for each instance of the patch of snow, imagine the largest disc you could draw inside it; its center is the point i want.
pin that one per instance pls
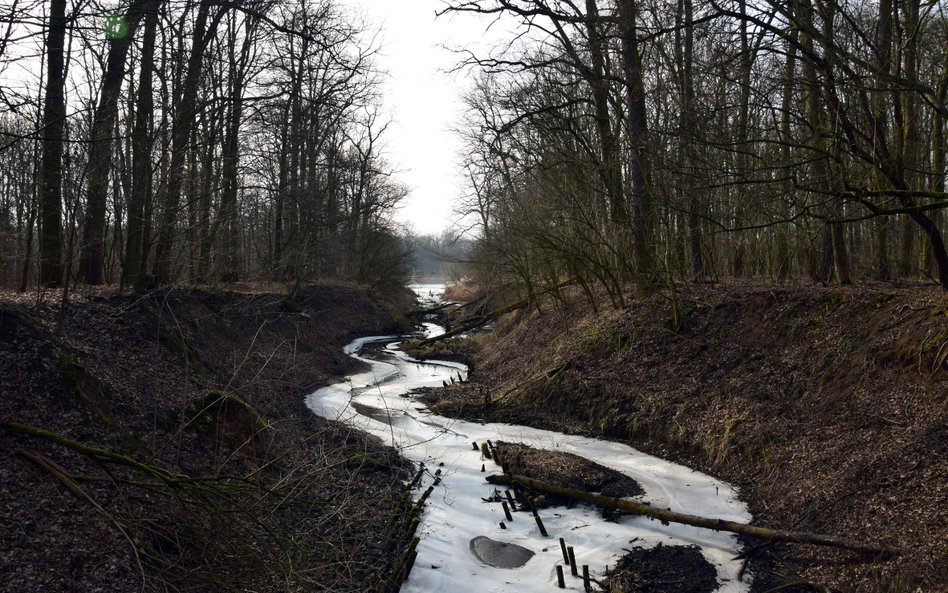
(429, 295)
(431, 330)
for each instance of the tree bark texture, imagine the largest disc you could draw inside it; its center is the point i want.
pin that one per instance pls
(101, 138)
(185, 114)
(637, 124)
(51, 174)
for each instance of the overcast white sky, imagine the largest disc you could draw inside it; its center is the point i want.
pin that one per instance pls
(424, 100)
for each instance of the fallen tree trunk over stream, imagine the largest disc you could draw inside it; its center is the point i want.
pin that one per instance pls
(476, 322)
(443, 306)
(667, 516)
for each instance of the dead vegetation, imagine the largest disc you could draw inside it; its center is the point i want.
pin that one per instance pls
(465, 291)
(161, 444)
(662, 569)
(827, 407)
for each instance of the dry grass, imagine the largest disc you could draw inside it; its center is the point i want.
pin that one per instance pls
(828, 407)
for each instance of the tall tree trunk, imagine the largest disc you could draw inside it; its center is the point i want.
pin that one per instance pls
(122, 181)
(205, 197)
(611, 165)
(741, 144)
(194, 230)
(28, 242)
(823, 143)
(280, 197)
(688, 122)
(141, 155)
(638, 136)
(939, 146)
(834, 176)
(883, 265)
(841, 266)
(880, 124)
(228, 212)
(293, 184)
(185, 114)
(786, 153)
(100, 150)
(54, 121)
(910, 149)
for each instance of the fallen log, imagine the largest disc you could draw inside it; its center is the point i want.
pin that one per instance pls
(472, 323)
(458, 306)
(434, 309)
(477, 321)
(667, 516)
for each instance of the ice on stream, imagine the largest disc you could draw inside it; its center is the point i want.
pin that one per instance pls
(376, 401)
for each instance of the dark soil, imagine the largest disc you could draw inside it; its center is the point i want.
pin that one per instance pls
(826, 407)
(663, 569)
(458, 349)
(208, 386)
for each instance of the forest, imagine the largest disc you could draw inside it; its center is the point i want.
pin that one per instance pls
(697, 273)
(696, 140)
(184, 141)
(163, 142)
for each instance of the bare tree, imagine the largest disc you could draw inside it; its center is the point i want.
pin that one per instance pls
(103, 129)
(54, 121)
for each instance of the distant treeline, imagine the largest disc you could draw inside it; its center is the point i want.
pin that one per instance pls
(441, 256)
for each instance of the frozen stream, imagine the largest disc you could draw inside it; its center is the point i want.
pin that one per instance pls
(375, 401)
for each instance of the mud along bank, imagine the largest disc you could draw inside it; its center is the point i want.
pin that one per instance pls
(163, 438)
(828, 408)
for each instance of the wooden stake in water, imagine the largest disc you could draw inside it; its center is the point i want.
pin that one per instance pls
(414, 482)
(559, 577)
(563, 548)
(493, 452)
(540, 525)
(533, 505)
(572, 561)
(506, 510)
(510, 499)
(411, 562)
(586, 586)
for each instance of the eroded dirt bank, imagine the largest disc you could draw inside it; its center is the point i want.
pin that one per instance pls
(175, 444)
(828, 408)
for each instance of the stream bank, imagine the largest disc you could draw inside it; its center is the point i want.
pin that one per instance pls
(203, 388)
(828, 408)
(466, 544)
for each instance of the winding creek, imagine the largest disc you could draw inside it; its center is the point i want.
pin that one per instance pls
(457, 517)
